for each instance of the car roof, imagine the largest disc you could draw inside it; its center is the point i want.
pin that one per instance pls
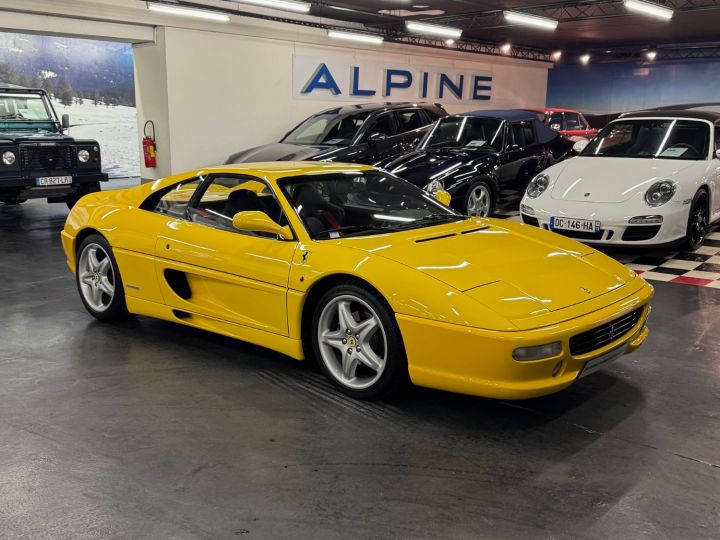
(374, 107)
(554, 109)
(697, 114)
(502, 114)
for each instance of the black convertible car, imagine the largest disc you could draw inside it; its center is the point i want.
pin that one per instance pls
(473, 155)
(364, 134)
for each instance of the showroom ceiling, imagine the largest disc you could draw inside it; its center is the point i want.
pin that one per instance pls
(589, 24)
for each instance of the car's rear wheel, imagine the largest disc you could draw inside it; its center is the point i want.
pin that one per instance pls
(479, 200)
(698, 221)
(98, 280)
(358, 344)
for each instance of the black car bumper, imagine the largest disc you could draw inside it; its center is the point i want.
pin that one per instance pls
(26, 186)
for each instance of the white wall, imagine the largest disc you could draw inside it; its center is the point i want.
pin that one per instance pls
(227, 92)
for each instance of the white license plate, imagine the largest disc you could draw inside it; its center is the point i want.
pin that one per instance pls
(574, 224)
(53, 180)
(593, 365)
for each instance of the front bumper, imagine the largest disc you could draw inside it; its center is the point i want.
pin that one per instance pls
(24, 186)
(615, 228)
(479, 362)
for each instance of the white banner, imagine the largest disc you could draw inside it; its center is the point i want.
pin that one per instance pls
(328, 78)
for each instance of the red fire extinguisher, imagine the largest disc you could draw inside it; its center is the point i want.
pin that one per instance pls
(149, 146)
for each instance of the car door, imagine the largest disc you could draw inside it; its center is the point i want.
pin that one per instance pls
(412, 124)
(205, 266)
(378, 138)
(511, 157)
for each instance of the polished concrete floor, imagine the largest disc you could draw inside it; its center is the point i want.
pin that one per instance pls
(151, 430)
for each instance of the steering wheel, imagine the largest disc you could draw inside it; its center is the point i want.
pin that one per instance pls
(694, 154)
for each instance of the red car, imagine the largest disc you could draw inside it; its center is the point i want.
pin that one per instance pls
(569, 123)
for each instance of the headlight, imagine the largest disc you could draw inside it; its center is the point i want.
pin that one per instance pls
(525, 354)
(660, 193)
(434, 186)
(84, 156)
(8, 158)
(538, 185)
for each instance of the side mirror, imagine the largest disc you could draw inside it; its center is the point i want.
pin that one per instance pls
(255, 221)
(580, 145)
(65, 121)
(513, 148)
(376, 137)
(443, 197)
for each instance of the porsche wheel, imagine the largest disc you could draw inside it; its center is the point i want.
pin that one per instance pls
(358, 344)
(698, 220)
(478, 200)
(98, 280)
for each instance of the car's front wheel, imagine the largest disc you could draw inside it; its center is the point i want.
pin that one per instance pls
(98, 280)
(698, 221)
(358, 344)
(479, 200)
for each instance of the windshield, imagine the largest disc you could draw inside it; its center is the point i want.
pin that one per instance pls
(327, 129)
(21, 111)
(335, 205)
(645, 138)
(466, 133)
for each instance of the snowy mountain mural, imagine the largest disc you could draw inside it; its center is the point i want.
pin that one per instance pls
(90, 80)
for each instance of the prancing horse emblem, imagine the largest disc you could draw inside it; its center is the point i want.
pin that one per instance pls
(586, 291)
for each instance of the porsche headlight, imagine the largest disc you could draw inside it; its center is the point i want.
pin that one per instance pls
(435, 186)
(8, 158)
(660, 193)
(83, 156)
(538, 185)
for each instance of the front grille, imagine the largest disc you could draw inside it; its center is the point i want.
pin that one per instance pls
(644, 232)
(580, 235)
(530, 220)
(46, 158)
(604, 335)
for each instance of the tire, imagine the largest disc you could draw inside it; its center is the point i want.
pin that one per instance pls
(362, 359)
(11, 201)
(698, 219)
(472, 205)
(98, 280)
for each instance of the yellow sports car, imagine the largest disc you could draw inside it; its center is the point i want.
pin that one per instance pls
(368, 274)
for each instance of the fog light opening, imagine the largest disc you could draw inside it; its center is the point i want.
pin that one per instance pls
(556, 370)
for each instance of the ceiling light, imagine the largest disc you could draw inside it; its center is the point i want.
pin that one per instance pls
(350, 36)
(505, 48)
(516, 17)
(285, 5)
(189, 12)
(557, 55)
(585, 59)
(449, 42)
(651, 55)
(433, 29)
(649, 8)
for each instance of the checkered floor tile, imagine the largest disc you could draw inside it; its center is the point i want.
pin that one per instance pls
(700, 268)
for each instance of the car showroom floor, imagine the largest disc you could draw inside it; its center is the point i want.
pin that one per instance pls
(152, 430)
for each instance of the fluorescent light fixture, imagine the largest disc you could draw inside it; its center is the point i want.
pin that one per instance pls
(505, 48)
(557, 55)
(515, 17)
(433, 29)
(649, 8)
(351, 36)
(449, 42)
(585, 59)
(651, 55)
(285, 5)
(189, 12)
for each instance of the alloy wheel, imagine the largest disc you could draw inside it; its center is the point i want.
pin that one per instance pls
(352, 342)
(96, 277)
(699, 224)
(478, 201)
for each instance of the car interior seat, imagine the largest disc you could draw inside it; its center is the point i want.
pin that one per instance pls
(319, 214)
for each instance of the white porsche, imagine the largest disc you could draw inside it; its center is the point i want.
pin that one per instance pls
(649, 178)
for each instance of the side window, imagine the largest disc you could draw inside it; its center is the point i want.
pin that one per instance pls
(528, 133)
(383, 124)
(573, 121)
(226, 195)
(517, 134)
(432, 115)
(556, 121)
(411, 119)
(717, 137)
(174, 201)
